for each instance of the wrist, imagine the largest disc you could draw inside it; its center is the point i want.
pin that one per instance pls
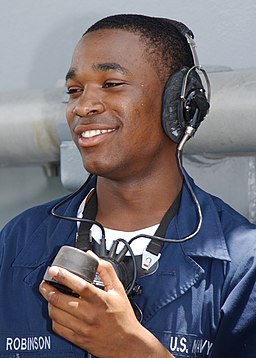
(142, 343)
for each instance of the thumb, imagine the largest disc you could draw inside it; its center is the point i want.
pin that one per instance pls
(108, 275)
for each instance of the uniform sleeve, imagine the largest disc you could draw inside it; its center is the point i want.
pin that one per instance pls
(1, 248)
(236, 335)
(3, 234)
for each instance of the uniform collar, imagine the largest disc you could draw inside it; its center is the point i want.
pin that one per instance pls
(51, 233)
(210, 241)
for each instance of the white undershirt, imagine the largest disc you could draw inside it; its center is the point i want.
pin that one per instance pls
(137, 245)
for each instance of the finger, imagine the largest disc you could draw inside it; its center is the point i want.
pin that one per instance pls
(72, 335)
(69, 311)
(109, 276)
(73, 282)
(57, 298)
(80, 323)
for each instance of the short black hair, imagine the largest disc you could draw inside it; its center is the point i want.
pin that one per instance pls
(169, 49)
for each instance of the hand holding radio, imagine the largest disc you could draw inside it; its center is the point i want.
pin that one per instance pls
(91, 319)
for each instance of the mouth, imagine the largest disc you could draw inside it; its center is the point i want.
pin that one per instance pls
(93, 136)
(95, 132)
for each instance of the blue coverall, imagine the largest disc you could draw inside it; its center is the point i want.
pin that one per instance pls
(201, 301)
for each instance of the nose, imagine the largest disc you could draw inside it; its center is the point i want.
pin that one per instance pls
(88, 104)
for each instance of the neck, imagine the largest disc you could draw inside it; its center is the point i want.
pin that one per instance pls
(139, 202)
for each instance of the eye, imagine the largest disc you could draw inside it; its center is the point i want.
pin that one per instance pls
(74, 91)
(112, 84)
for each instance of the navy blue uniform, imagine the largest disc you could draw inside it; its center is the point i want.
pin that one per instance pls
(201, 302)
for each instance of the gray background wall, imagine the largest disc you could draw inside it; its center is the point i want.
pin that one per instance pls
(37, 39)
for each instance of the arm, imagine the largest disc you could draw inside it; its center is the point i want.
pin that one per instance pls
(100, 322)
(236, 335)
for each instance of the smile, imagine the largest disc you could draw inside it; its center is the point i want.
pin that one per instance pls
(95, 132)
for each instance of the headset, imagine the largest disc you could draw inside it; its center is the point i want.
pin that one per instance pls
(185, 102)
(185, 105)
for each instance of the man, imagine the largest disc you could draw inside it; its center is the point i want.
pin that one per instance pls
(199, 299)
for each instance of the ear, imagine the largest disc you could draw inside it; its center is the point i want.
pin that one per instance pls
(178, 112)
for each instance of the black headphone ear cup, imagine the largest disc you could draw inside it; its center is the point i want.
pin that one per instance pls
(175, 117)
(171, 122)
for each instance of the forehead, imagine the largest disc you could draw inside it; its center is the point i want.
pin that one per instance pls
(124, 49)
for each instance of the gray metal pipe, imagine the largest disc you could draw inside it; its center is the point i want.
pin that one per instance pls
(29, 121)
(230, 127)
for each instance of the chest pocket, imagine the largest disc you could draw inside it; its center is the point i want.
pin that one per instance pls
(43, 345)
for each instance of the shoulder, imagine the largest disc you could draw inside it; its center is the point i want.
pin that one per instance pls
(27, 222)
(227, 228)
(239, 236)
(39, 221)
(231, 220)
(32, 215)
(235, 226)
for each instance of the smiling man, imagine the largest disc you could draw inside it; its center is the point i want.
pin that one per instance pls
(182, 284)
(121, 96)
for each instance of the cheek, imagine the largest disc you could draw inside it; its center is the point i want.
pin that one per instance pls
(68, 111)
(71, 121)
(69, 115)
(150, 113)
(153, 99)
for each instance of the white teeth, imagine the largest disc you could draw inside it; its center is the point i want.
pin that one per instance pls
(94, 132)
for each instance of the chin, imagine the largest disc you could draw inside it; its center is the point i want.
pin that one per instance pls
(96, 168)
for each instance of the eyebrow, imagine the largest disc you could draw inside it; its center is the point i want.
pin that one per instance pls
(100, 67)
(110, 66)
(70, 74)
